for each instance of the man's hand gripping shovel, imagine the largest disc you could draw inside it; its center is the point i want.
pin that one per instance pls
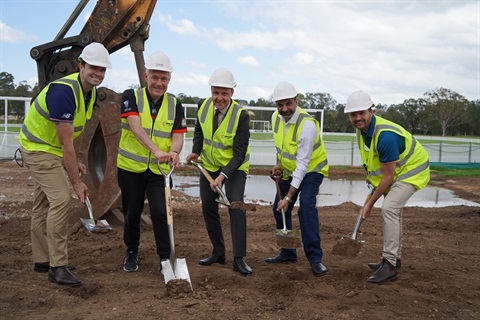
(285, 238)
(174, 270)
(222, 197)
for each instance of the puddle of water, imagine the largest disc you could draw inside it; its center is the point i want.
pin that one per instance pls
(262, 190)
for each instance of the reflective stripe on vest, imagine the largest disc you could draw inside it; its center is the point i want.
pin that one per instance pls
(217, 148)
(287, 152)
(38, 132)
(132, 155)
(413, 165)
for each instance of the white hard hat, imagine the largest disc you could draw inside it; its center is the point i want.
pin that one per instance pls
(95, 54)
(358, 101)
(222, 78)
(284, 90)
(159, 61)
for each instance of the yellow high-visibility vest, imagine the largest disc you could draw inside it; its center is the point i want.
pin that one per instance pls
(132, 155)
(413, 165)
(217, 148)
(38, 131)
(286, 144)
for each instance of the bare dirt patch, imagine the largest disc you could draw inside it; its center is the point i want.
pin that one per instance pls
(439, 278)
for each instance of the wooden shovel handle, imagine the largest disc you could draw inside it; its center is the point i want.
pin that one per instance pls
(204, 171)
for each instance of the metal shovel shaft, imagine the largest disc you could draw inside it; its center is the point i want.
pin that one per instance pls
(90, 209)
(172, 268)
(359, 221)
(357, 227)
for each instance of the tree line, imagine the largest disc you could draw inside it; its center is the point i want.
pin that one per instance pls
(441, 111)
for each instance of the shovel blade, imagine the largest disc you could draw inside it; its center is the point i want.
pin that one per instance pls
(288, 239)
(177, 271)
(97, 226)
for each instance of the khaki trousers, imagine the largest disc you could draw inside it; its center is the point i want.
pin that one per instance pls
(50, 213)
(392, 213)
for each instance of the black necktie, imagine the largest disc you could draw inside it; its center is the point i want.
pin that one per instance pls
(215, 120)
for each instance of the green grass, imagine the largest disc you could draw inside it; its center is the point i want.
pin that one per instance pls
(455, 171)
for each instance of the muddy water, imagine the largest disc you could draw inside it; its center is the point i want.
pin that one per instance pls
(261, 190)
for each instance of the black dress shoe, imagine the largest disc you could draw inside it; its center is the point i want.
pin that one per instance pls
(385, 273)
(211, 260)
(377, 265)
(45, 267)
(63, 277)
(241, 266)
(280, 258)
(318, 269)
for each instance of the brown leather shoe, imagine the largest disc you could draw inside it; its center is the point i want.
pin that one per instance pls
(377, 265)
(385, 273)
(63, 277)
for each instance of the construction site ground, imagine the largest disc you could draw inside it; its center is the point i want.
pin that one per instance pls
(439, 277)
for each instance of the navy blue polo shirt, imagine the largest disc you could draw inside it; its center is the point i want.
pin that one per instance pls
(390, 145)
(61, 102)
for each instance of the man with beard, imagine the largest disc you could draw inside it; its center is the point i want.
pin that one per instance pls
(302, 163)
(58, 116)
(397, 166)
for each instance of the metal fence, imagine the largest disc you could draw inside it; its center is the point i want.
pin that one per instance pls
(262, 152)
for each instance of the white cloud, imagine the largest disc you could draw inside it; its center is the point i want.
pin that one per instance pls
(182, 27)
(196, 64)
(303, 58)
(248, 61)
(11, 35)
(190, 79)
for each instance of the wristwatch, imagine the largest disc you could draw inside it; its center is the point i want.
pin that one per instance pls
(288, 199)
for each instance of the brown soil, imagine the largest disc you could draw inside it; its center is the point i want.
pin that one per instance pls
(439, 278)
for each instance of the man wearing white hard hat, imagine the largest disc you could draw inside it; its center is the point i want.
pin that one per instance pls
(56, 117)
(302, 164)
(153, 126)
(397, 166)
(220, 141)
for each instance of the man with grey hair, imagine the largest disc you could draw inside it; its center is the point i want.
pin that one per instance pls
(153, 125)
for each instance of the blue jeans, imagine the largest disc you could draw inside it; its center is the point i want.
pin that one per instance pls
(307, 214)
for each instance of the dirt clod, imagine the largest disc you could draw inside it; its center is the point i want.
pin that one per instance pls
(290, 240)
(347, 247)
(177, 288)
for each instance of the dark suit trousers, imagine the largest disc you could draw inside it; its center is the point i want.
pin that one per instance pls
(234, 190)
(134, 186)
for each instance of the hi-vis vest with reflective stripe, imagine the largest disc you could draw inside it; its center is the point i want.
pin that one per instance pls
(132, 155)
(217, 148)
(38, 131)
(286, 144)
(413, 166)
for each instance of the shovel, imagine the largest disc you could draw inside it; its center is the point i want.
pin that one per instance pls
(174, 270)
(223, 198)
(350, 247)
(91, 224)
(288, 239)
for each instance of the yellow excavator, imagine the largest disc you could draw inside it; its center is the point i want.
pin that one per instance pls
(115, 24)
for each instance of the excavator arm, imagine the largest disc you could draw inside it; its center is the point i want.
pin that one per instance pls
(114, 23)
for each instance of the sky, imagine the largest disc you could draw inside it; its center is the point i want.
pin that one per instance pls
(393, 50)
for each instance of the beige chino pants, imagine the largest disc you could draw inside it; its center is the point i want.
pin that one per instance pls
(392, 213)
(50, 213)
